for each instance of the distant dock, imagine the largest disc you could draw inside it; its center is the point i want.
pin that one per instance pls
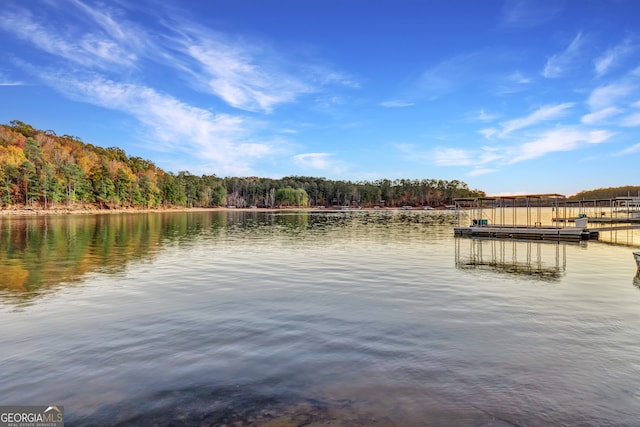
(495, 217)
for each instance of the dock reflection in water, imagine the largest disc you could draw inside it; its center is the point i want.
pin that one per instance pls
(542, 260)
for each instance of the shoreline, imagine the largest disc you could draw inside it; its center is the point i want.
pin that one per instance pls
(93, 210)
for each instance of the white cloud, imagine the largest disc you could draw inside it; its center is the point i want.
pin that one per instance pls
(632, 120)
(445, 156)
(483, 116)
(396, 104)
(560, 63)
(324, 75)
(449, 75)
(635, 148)
(223, 140)
(562, 139)
(116, 28)
(95, 49)
(600, 115)
(246, 74)
(490, 154)
(528, 13)
(612, 56)
(513, 83)
(481, 171)
(489, 133)
(106, 51)
(547, 112)
(519, 78)
(321, 161)
(606, 96)
(6, 81)
(241, 79)
(448, 156)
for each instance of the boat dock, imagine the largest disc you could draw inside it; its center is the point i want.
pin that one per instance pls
(521, 217)
(619, 210)
(534, 233)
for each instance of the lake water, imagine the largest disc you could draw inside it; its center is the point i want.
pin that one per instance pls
(303, 318)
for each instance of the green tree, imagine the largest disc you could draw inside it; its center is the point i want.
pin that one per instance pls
(103, 189)
(52, 188)
(173, 191)
(288, 196)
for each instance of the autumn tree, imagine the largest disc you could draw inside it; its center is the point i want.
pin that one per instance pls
(39, 167)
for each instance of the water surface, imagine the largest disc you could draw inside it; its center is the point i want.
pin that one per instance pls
(302, 318)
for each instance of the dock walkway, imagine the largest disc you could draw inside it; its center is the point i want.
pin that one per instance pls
(529, 233)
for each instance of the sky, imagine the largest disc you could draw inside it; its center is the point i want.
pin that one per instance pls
(508, 96)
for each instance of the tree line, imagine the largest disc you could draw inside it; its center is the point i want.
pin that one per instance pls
(40, 168)
(608, 193)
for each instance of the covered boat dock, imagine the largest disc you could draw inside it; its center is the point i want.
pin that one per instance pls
(526, 217)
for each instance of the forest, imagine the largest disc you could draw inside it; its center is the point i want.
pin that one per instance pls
(608, 193)
(39, 168)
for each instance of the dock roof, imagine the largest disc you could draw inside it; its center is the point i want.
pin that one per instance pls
(517, 196)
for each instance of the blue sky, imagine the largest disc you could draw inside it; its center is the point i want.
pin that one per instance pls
(509, 96)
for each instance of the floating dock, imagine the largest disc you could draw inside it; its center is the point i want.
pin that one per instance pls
(495, 217)
(534, 233)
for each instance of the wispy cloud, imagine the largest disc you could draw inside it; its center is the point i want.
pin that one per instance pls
(327, 75)
(529, 13)
(289, 131)
(600, 115)
(6, 81)
(235, 74)
(561, 139)
(483, 116)
(609, 95)
(95, 49)
(513, 83)
(114, 61)
(449, 75)
(635, 148)
(481, 171)
(613, 56)
(396, 104)
(544, 113)
(519, 78)
(632, 120)
(446, 156)
(319, 161)
(560, 63)
(103, 18)
(246, 74)
(224, 142)
(489, 133)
